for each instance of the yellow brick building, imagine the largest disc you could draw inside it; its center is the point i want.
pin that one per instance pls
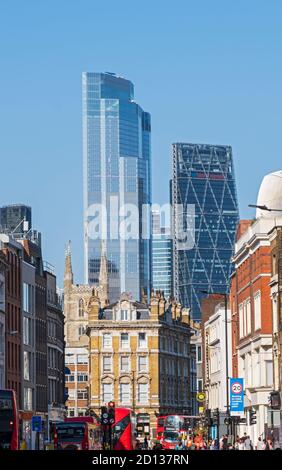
(139, 357)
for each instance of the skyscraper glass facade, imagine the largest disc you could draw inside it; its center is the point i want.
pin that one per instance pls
(203, 175)
(161, 256)
(117, 173)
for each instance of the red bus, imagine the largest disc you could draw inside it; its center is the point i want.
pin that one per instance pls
(160, 427)
(175, 426)
(77, 433)
(9, 420)
(123, 430)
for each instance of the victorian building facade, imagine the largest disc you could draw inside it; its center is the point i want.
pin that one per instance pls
(139, 357)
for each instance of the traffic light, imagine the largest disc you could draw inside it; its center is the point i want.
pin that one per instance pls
(104, 416)
(274, 401)
(215, 417)
(208, 420)
(228, 421)
(252, 417)
(111, 411)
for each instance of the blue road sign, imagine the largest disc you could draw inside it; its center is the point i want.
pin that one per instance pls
(36, 423)
(236, 396)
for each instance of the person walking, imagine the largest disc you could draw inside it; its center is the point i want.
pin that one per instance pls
(247, 443)
(145, 443)
(260, 444)
(241, 445)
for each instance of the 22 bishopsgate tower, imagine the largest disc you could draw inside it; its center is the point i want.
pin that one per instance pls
(117, 184)
(203, 179)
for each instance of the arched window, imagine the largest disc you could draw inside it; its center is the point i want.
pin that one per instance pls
(80, 308)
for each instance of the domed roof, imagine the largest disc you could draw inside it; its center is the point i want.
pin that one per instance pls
(270, 195)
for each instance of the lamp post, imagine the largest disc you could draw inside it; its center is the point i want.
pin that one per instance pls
(226, 346)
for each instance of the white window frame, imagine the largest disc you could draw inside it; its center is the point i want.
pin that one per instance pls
(109, 361)
(145, 344)
(257, 310)
(145, 369)
(124, 401)
(107, 344)
(128, 364)
(123, 344)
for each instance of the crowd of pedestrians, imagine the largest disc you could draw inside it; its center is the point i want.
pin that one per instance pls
(200, 442)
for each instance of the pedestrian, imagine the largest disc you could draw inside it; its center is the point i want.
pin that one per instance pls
(241, 445)
(260, 444)
(145, 443)
(247, 443)
(179, 446)
(269, 444)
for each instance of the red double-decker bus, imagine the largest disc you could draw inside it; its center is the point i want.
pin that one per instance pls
(9, 420)
(160, 427)
(77, 433)
(123, 429)
(175, 426)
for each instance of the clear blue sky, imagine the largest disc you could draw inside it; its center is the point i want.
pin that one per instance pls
(208, 71)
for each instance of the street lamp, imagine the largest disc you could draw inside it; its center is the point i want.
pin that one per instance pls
(226, 345)
(264, 208)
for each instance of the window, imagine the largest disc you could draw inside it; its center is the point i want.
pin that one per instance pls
(82, 359)
(27, 330)
(241, 324)
(200, 385)
(26, 297)
(124, 340)
(69, 377)
(143, 393)
(27, 365)
(142, 340)
(70, 412)
(107, 364)
(107, 392)
(69, 358)
(82, 395)
(107, 340)
(71, 393)
(27, 398)
(125, 393)
(269, 373)
(248, 317)
(124, 316)
(257, 310)
(80, 308)
(142, 363)
(199, 354)
(124, 363)
(81, 330)
(82, 377)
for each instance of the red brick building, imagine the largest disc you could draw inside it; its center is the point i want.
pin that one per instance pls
(13, 330)
(252, 319)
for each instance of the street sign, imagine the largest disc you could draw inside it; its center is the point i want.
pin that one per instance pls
(36, 423)
(200, 397)
(236, 396)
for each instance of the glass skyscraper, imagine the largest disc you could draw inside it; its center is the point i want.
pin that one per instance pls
(203, 176)
(161, 256)
(117, 175)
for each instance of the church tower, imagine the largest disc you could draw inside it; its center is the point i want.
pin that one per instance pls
(103, 278)
(68, 276)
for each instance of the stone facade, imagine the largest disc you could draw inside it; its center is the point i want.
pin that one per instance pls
(76, 300)
(139, 357)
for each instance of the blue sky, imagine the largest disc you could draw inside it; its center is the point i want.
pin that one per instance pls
(207, 71)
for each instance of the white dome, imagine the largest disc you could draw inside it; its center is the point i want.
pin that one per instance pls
(270, 195)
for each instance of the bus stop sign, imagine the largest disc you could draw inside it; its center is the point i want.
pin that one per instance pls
(36, 423)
